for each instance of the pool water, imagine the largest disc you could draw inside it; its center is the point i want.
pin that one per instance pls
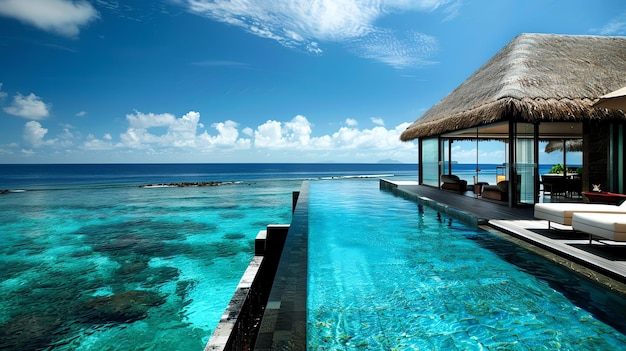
(388, 274)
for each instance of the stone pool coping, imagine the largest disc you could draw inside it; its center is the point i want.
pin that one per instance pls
(268, 308)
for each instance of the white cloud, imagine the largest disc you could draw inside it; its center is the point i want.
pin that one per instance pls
(399, 50)
(228, 135)
(31, 107)
(376, 138)
(67, 133)
(92, 143)
(304, 23)
(296, 134)
(34, 134)
(378, 121)
(248, 131)
(617, 26)
(183, 132)
(153, 134)
(144, 121)
(81, 114)
(59, 16)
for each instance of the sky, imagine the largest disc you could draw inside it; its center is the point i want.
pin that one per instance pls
(158, 81)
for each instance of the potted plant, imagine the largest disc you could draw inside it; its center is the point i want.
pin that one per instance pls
(557, 169)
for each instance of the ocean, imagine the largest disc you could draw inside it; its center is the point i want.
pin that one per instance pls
(116, 257)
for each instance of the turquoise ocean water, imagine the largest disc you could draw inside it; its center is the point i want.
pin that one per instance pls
(92, 261)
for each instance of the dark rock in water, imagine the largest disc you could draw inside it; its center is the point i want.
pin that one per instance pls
(234, 236)
(133, 268)
(125, 307)
(31, 331)
(4, 191)
(129, 244)
(183, 288)
(160, 275)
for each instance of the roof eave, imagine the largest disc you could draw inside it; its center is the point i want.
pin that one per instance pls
(519, 110)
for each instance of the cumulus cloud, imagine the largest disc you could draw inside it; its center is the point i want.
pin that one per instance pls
(165, 133)
(304, 24)
(31, 107)
(378, 121)
(183, 132)
(351, 122)
(95, 144)
(277, 135)
(81, 114)
(248, 131)
(297, 135)
(144, 121)
(34, 134)
(150, 131)
(63, 17)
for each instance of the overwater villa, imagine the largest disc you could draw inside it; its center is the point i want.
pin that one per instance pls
(383, 274)
(539, 87)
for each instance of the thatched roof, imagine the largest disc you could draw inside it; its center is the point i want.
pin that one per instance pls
(535, 77)
(575, 145)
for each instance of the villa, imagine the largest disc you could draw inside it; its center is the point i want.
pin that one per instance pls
(539, 87)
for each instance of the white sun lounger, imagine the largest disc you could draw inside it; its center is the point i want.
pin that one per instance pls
(562, 212)
(606, 225)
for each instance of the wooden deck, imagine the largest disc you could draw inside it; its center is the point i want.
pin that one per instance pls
(604, 261)
(467, 202)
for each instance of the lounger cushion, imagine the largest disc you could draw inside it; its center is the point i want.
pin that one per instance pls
(453, 182)
(450, 178)
(499, 191)
(562, 212)
(607, 225)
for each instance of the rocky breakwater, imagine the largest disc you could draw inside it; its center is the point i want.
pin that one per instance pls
(183, 184)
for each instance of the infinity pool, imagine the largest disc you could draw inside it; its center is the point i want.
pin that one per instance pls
(388, 274)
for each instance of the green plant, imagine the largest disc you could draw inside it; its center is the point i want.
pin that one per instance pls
(557, 169)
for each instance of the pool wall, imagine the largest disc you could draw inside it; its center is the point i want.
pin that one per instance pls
(238, 326)
(268, 308)
(283, 326)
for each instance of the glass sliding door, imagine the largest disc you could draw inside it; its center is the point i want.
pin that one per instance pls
(616, 155)
(525, 164)
(430, 161)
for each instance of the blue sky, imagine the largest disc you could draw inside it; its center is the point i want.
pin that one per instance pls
(248, 80)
